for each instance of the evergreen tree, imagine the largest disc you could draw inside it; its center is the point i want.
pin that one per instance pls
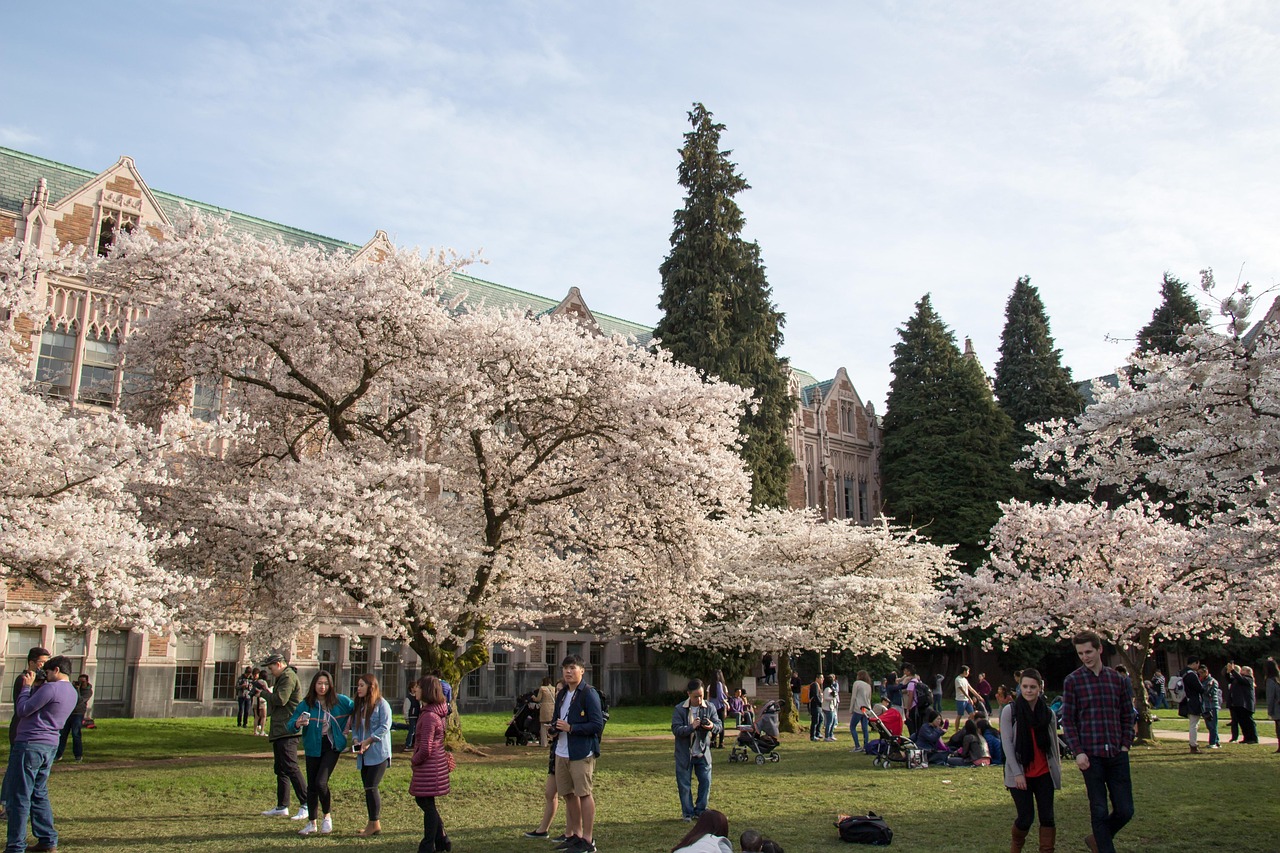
(1031, 383)
(718, 314)
(947, 445)
(1177, 311)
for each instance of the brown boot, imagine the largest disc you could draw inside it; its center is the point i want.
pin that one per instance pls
(1195, 750)
(1048, 835)
(1091, 843)
(1019, 839)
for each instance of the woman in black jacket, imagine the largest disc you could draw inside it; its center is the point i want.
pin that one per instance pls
(1242, 700)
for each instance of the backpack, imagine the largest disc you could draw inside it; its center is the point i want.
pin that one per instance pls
(1175, 688)
(604, 705)
(924, 699)
(865, 829)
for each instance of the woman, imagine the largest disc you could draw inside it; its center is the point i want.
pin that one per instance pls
(259, 705)
(828, 708)
(929, 739)
(710, 834)
(860, 697)
(719, 699)
(322, 718)
(1243, 700)
(244, 697)
(984, 690)
(371, 732)
(974, 751)
(431, 765)
(1003, 697)
(1273, 696)
(546, 697)
(892, 693)
(1032, 764)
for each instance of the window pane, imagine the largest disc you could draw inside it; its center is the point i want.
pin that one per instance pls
(112, 646)
(359, 659)
(98, 371)
(21, 641)
(226, 647)
(501, 672)
(224, 679)
(206, 399)
(391, 670)
(70, 642)
(53, 366)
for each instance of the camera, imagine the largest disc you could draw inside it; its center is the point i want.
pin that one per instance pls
(41, 676)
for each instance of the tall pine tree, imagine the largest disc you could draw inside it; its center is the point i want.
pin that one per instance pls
(1177, 310)
(1031, 383)
(947, 445)
(718, 314)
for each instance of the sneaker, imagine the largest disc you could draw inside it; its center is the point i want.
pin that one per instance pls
(309, 829)
(326, 826)
(560, 839)
(830, 740)
(584, 846)
(1215, 746)
(301, 815)
(569, 843)
(536, 834)
(278, 811)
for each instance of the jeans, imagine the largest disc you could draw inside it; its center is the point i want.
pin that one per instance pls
(684, 783)
(72, 728)
(815, 723)
(319, 767)
(1108, 775)
(963, 708)
(29, 765)
(1038, 797)
(828, 724)
(1211, 725)
(243, 711)
(854, 720)
(287, 772)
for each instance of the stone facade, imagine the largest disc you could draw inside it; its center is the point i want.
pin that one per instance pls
(835, 440)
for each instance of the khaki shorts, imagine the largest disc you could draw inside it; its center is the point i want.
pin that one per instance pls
(574, 777)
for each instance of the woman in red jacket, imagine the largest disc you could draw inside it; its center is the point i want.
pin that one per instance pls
(431, 764)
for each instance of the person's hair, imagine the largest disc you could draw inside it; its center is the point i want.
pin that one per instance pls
(710, 822)
(365, 706)
(891, 678)
(719, 676)
(936, 715)
(970, 727)
(908, 668)
(1122, 669)
(964, 670)
(1033, 674)
(829, 680)
(878, 708)
(546, 681)
(573, 660)
(437, 673)
(978, 715)
(694, 684)
(770, 846)
(247, 671)
(863, 675)
(750, 841)
(432, 692)
(1088, 637)
(330, 698)
(1244, 670)
(61, 662)
(82, 676)
(37, 653)
(1273, 671)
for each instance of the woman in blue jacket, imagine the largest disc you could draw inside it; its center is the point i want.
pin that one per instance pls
(371, 733)
(322, 717)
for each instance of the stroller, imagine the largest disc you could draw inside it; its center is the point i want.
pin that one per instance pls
(523, 728)
(760, 740)
(892, 749)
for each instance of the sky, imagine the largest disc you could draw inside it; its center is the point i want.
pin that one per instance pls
(894, 149)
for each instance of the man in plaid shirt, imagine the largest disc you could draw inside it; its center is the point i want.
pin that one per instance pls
(1098, 720)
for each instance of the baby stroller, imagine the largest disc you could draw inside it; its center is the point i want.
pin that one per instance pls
(760, 740)
(892, 749)
(523, 728)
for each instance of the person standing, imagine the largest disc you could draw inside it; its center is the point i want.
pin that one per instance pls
(546, 697)
(984, 690)
(35, 660)
(259, 704)
(796, 684)
(72, 728)
(859, 702)
(694, 722)
(892, 692)
(1194, 699)
(1158, 685)
(431, 764)
(281, 699)
(371, 741)
(815, 708)
(579, 723)
(244, 698)
(321, 717)
(1273, 696)
(719, 699)
(1098, 723)
(967, 699)
(829, 699)
(41, 714)
(1212, 701)
(769, 668)
(1242, 699)
(1032, 763)
(916, 700)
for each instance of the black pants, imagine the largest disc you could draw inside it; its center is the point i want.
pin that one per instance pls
(1038, 797)
(371, 776)
(318, 769)
(287, 772)
(243, 711)
(1242, 719)
(432, 827)
(72, 729)
(815, 722)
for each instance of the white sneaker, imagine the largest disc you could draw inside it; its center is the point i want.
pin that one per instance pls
(326, 826)
(308, 829)
(280, 811)
(301, 815)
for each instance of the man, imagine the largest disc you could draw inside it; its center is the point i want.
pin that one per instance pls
(815, 708)
(35, 659)
(1212, 701)
(282, 698)
(1194, 690)
(695, 723)
(84, 690)
(770, 671)
(41, 714)
(967, 699)
(916, 699)
(579, 722)
(796, 684)
(1157, 683)
(1097, 721)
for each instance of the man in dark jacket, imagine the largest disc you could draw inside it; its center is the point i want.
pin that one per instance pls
(1194, 698)
(815, 708)
(579, 723)
(282, 698)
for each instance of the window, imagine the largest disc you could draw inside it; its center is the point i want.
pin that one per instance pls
(551, 657)
(226, 664)
(597, 665)
(70, 642)
(110, 674)
(98, 372)
(327, 651)
(850, 511)
(391, 669)
(358, 656)
(864, 508)
(574, 649)
(112, 221)
(473, 683)
(206, 399)
(186, 676)
(21, 641)
(501, 672)
(57, 352)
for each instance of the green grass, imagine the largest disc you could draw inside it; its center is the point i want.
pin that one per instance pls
(211, 804)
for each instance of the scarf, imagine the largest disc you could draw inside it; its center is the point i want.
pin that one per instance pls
(1028, 723)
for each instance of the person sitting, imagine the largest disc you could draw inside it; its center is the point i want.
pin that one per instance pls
(708, 835)
(992, 737)
(929, 739)
(974, 751)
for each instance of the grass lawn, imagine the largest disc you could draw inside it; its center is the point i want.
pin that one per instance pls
(122, 799)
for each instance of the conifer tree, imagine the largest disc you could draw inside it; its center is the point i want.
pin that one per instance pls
(947, 445)
(718, 314)
(1032, 385)
(1177, 310)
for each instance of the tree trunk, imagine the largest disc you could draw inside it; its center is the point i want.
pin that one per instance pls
(453, 664)
(1135, 658)
(788, 713)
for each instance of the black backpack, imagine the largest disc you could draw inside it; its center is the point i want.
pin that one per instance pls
(866, 829)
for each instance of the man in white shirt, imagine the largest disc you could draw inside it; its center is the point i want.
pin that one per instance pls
(966, 696)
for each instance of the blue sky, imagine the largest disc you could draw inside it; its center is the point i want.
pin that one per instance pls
(893, 148)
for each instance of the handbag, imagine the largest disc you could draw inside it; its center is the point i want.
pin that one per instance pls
(450, 761)
(1182, 709)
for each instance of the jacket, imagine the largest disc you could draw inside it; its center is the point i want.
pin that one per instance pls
(546, 704)
(282, 700)
(430, 763)
(1241, 692)
(313, 734)
(379, 728)
(1009, 738)
(693, 742)
(586, 721)
(1194, 692)
(708, 844)
(1273, 699)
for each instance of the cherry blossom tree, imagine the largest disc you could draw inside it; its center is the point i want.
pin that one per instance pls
(70, 515)
(441, 470)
